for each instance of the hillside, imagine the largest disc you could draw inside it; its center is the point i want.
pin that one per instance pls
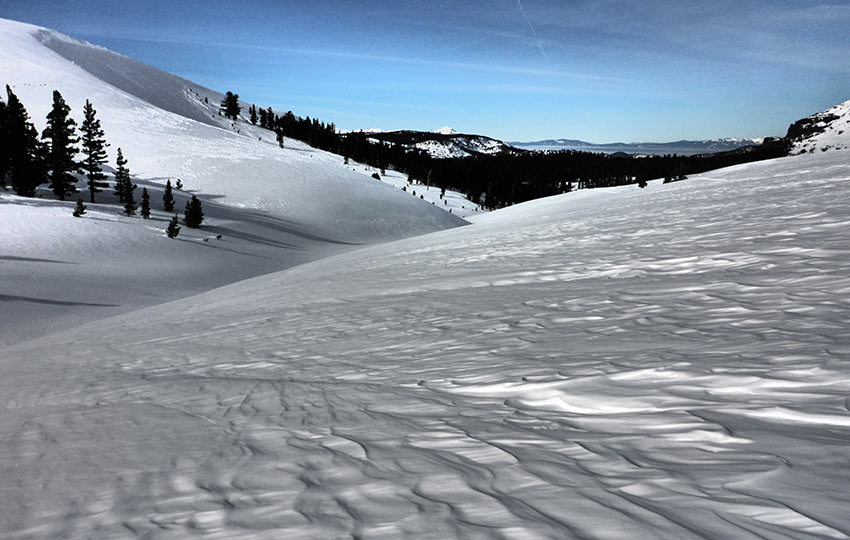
(273, 207)
(824, 131)
(668, 362)
(444, 142)
(566, 367)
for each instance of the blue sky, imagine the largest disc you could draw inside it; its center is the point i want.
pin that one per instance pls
(602, 70)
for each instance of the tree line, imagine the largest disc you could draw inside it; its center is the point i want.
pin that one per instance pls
(506, 178)
(28, 160)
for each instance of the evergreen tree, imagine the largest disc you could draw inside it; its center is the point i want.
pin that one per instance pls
(61, 135)
(26, 152)
(168, 198)
(4, 143)
(254, 114)
(146, 204)
(230, 105)
(264, 123)
(94, 147)
(124, 186)
(80, 209)
(173, 228)
(179, 184)
(130, 203)
(193, 216)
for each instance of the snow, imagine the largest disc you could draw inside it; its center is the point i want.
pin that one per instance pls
(453, 201)
(617, 363)
(835, 135)
(667, 362)
(445, 130)
(274, 207)
(458, 147)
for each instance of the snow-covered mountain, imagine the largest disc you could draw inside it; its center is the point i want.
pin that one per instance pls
(273, 207)
(684, 148)
(827, 130)
(444, 142)
(668, 362)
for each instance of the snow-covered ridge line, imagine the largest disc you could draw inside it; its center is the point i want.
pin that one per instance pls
(444, 142)
(824, 131)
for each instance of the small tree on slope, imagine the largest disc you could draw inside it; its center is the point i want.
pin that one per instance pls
(26, 152)
(194, 215)
(4, 142)
(168, 198)
(124, 187)
(94, 148)
(146, 204)
(61, 150)
(231, 107)
(79, 209)
(123, 184)
(173, 228)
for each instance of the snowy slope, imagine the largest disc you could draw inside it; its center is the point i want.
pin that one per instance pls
(274, 207)
(619, 363)
(153, 116)
(443, 143)
(827, 130)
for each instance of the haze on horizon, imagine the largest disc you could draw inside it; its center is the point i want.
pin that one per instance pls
(600, 71)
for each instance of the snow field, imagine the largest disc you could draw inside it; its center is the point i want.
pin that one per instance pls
(274, 207)
(621, 363)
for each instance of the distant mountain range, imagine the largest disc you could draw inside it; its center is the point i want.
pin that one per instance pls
(685, 148)
(448, 143)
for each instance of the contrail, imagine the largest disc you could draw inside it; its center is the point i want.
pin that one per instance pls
(533, 31)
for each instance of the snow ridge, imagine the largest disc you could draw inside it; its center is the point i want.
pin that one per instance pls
(827, 130)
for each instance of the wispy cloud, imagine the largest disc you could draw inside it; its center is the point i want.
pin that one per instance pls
(494, 68)
(533, 31)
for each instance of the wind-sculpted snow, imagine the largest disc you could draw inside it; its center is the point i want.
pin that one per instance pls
(661, 363)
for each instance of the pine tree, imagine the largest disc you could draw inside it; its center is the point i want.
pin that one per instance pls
(4, 142)
(61, 150)
(94, 147)
(179, 184)
(230, 105)
(124, 186)
(146, 204)
(80, 209)
(254, 114)
(193, 216)
(26, 152)
(130, 203)
(173, 228)
(264, 122)
(168, 198)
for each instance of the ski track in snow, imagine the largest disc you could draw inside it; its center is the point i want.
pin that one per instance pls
(616, 363)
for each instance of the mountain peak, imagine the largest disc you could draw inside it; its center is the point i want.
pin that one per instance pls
(826, 130)
(445, 130)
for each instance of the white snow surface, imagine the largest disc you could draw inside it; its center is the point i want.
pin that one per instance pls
(445, 130)
(458, 147)
(154, 117)
(273, 207)
(835, 134)
(619, 363)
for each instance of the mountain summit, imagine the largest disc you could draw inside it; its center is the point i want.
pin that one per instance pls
(826, 130)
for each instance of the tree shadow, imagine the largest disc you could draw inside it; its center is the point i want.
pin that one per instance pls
(48, 301)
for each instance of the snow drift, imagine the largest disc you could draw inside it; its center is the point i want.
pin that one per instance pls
(615, 363)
